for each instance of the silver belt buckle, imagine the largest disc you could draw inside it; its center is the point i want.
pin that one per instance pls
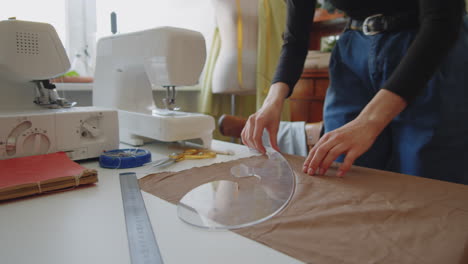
(365, 26)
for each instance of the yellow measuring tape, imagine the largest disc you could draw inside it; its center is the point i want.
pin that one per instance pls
(267, 10)
(239, 44)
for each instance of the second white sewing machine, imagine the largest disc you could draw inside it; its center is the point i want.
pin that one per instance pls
(129, 66)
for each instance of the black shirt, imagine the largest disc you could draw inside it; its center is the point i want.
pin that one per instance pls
(439, 26)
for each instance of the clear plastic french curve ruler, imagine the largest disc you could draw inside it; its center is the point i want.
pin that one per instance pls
(141, 240)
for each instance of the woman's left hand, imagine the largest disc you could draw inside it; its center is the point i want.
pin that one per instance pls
(356, 137)
(352, 139)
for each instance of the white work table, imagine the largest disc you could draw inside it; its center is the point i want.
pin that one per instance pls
(88, 225)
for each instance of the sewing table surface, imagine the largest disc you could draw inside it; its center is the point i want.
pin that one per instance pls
(88, 226)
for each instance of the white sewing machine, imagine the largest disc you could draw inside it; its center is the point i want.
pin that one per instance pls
(129, 65)
(34, 119)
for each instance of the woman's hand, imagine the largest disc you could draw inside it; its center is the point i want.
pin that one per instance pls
(356, 137)
(352, 139)
(268, 116)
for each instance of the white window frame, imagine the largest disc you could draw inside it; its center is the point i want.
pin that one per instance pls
(81, 33)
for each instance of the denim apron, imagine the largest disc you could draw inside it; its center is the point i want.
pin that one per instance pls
(430, 137)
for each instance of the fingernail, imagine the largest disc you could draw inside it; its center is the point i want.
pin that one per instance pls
(310, 171)
(321, 171)
(304, 169)
(340, 173)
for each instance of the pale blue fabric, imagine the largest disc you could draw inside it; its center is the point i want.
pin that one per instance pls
(291, 138)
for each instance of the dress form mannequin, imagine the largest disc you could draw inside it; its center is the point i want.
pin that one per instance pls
(226, 77)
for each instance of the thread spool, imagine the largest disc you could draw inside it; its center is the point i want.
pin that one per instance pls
(124, 158)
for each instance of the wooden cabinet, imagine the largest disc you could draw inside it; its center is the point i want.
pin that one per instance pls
(325, 24)
(306, 102)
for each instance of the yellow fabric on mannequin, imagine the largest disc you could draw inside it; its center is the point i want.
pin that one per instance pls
(239, 43)
(271, 23)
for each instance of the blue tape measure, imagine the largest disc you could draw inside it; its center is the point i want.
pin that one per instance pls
(124, 158)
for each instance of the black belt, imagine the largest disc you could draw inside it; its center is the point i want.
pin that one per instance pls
(382, 23)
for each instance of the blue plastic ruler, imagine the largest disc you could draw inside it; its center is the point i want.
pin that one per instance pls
(141, 240)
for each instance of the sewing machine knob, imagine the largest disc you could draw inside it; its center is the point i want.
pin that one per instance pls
(36, 144)
(89, 130)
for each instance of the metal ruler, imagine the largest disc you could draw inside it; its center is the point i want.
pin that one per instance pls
(141, 240)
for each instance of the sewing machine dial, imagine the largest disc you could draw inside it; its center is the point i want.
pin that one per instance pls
(36, 142)
(33, 141)
(90, 128)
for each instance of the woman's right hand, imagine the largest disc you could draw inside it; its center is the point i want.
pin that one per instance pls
(268, 116)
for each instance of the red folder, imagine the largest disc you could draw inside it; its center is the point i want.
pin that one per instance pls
(41, 173)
